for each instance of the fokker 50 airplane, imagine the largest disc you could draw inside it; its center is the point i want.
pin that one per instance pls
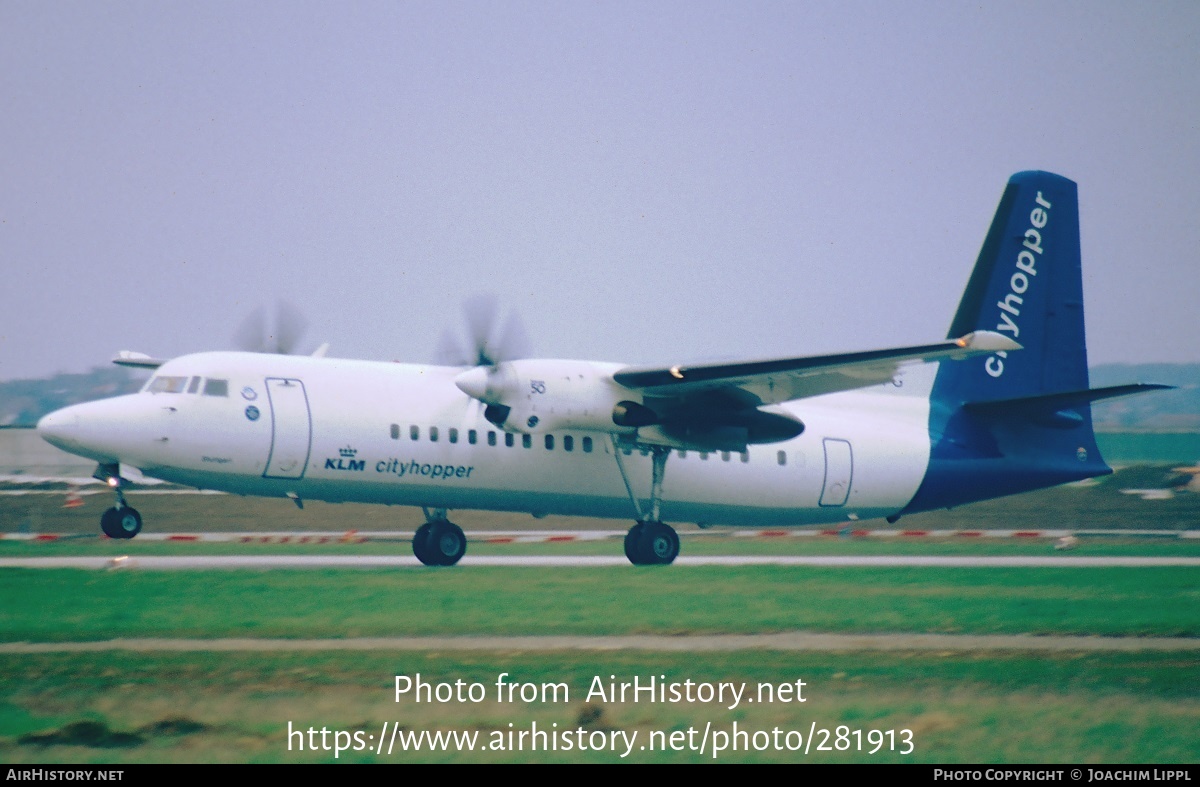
(1002, 406)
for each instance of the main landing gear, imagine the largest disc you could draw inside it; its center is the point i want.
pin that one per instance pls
(439, 542)
(650, 542)
(120, 521)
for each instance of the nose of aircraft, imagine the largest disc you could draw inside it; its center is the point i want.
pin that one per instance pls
(100, 430)
(60, 428)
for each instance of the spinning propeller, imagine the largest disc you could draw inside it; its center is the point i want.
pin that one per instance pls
(489, 346)
(278, 332)
(487, 342)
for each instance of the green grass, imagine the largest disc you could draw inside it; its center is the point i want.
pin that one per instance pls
(72, 604)
(235, 707)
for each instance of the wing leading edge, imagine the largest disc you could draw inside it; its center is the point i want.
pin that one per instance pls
(784, 379)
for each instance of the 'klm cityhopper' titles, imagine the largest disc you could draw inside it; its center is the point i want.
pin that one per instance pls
(398, 467)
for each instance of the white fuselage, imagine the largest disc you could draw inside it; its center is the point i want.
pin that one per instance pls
(359, 431)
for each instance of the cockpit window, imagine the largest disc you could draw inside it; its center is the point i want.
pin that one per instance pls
(194, 385)
(216, 387)
(167, 385)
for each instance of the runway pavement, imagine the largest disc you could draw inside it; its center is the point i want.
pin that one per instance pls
(168, 563)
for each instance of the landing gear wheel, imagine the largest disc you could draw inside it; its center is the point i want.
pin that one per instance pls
(651, 544)
(442, 543)
(123, 523)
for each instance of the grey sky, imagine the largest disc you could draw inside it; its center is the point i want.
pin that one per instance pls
(643, 182)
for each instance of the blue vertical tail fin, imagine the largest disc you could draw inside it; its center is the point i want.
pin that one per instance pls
(1016, 421)
(1028, 285)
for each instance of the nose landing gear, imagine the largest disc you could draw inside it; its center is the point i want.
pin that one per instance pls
(120, 521)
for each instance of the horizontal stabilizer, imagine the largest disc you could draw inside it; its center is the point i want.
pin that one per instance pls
(1057, 409)
(137, 360)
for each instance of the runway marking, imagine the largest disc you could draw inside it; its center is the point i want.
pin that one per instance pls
(785, 641)
(168, 563)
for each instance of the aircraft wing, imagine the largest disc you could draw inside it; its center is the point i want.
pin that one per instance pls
(755, 383)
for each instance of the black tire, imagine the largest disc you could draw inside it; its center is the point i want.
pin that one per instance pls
(631, 544)
(446, 543)
(658, 545)
(420, 545)
(121, 523)
(108, 523)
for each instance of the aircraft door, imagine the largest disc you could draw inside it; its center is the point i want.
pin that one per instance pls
(291, 429)
(839, 472)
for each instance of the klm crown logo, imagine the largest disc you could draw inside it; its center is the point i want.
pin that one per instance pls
(346, 461)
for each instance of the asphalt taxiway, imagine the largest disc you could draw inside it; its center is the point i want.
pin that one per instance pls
(175, 562)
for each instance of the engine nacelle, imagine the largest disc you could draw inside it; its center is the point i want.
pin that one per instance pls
(723, 431)
(536, 396)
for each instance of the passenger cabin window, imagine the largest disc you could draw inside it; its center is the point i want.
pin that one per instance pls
(568, 443)
(216, 387)
(414, 432)
(167, 385)
(549, 442)
(472, 436)
(526, 441)
(395, 431)
(587, 445)
(491, 438)
(194, 386)
(782, 458)
(745, 456)
(724, 456)
(433, 434)
(453, 435)
(508, 439)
